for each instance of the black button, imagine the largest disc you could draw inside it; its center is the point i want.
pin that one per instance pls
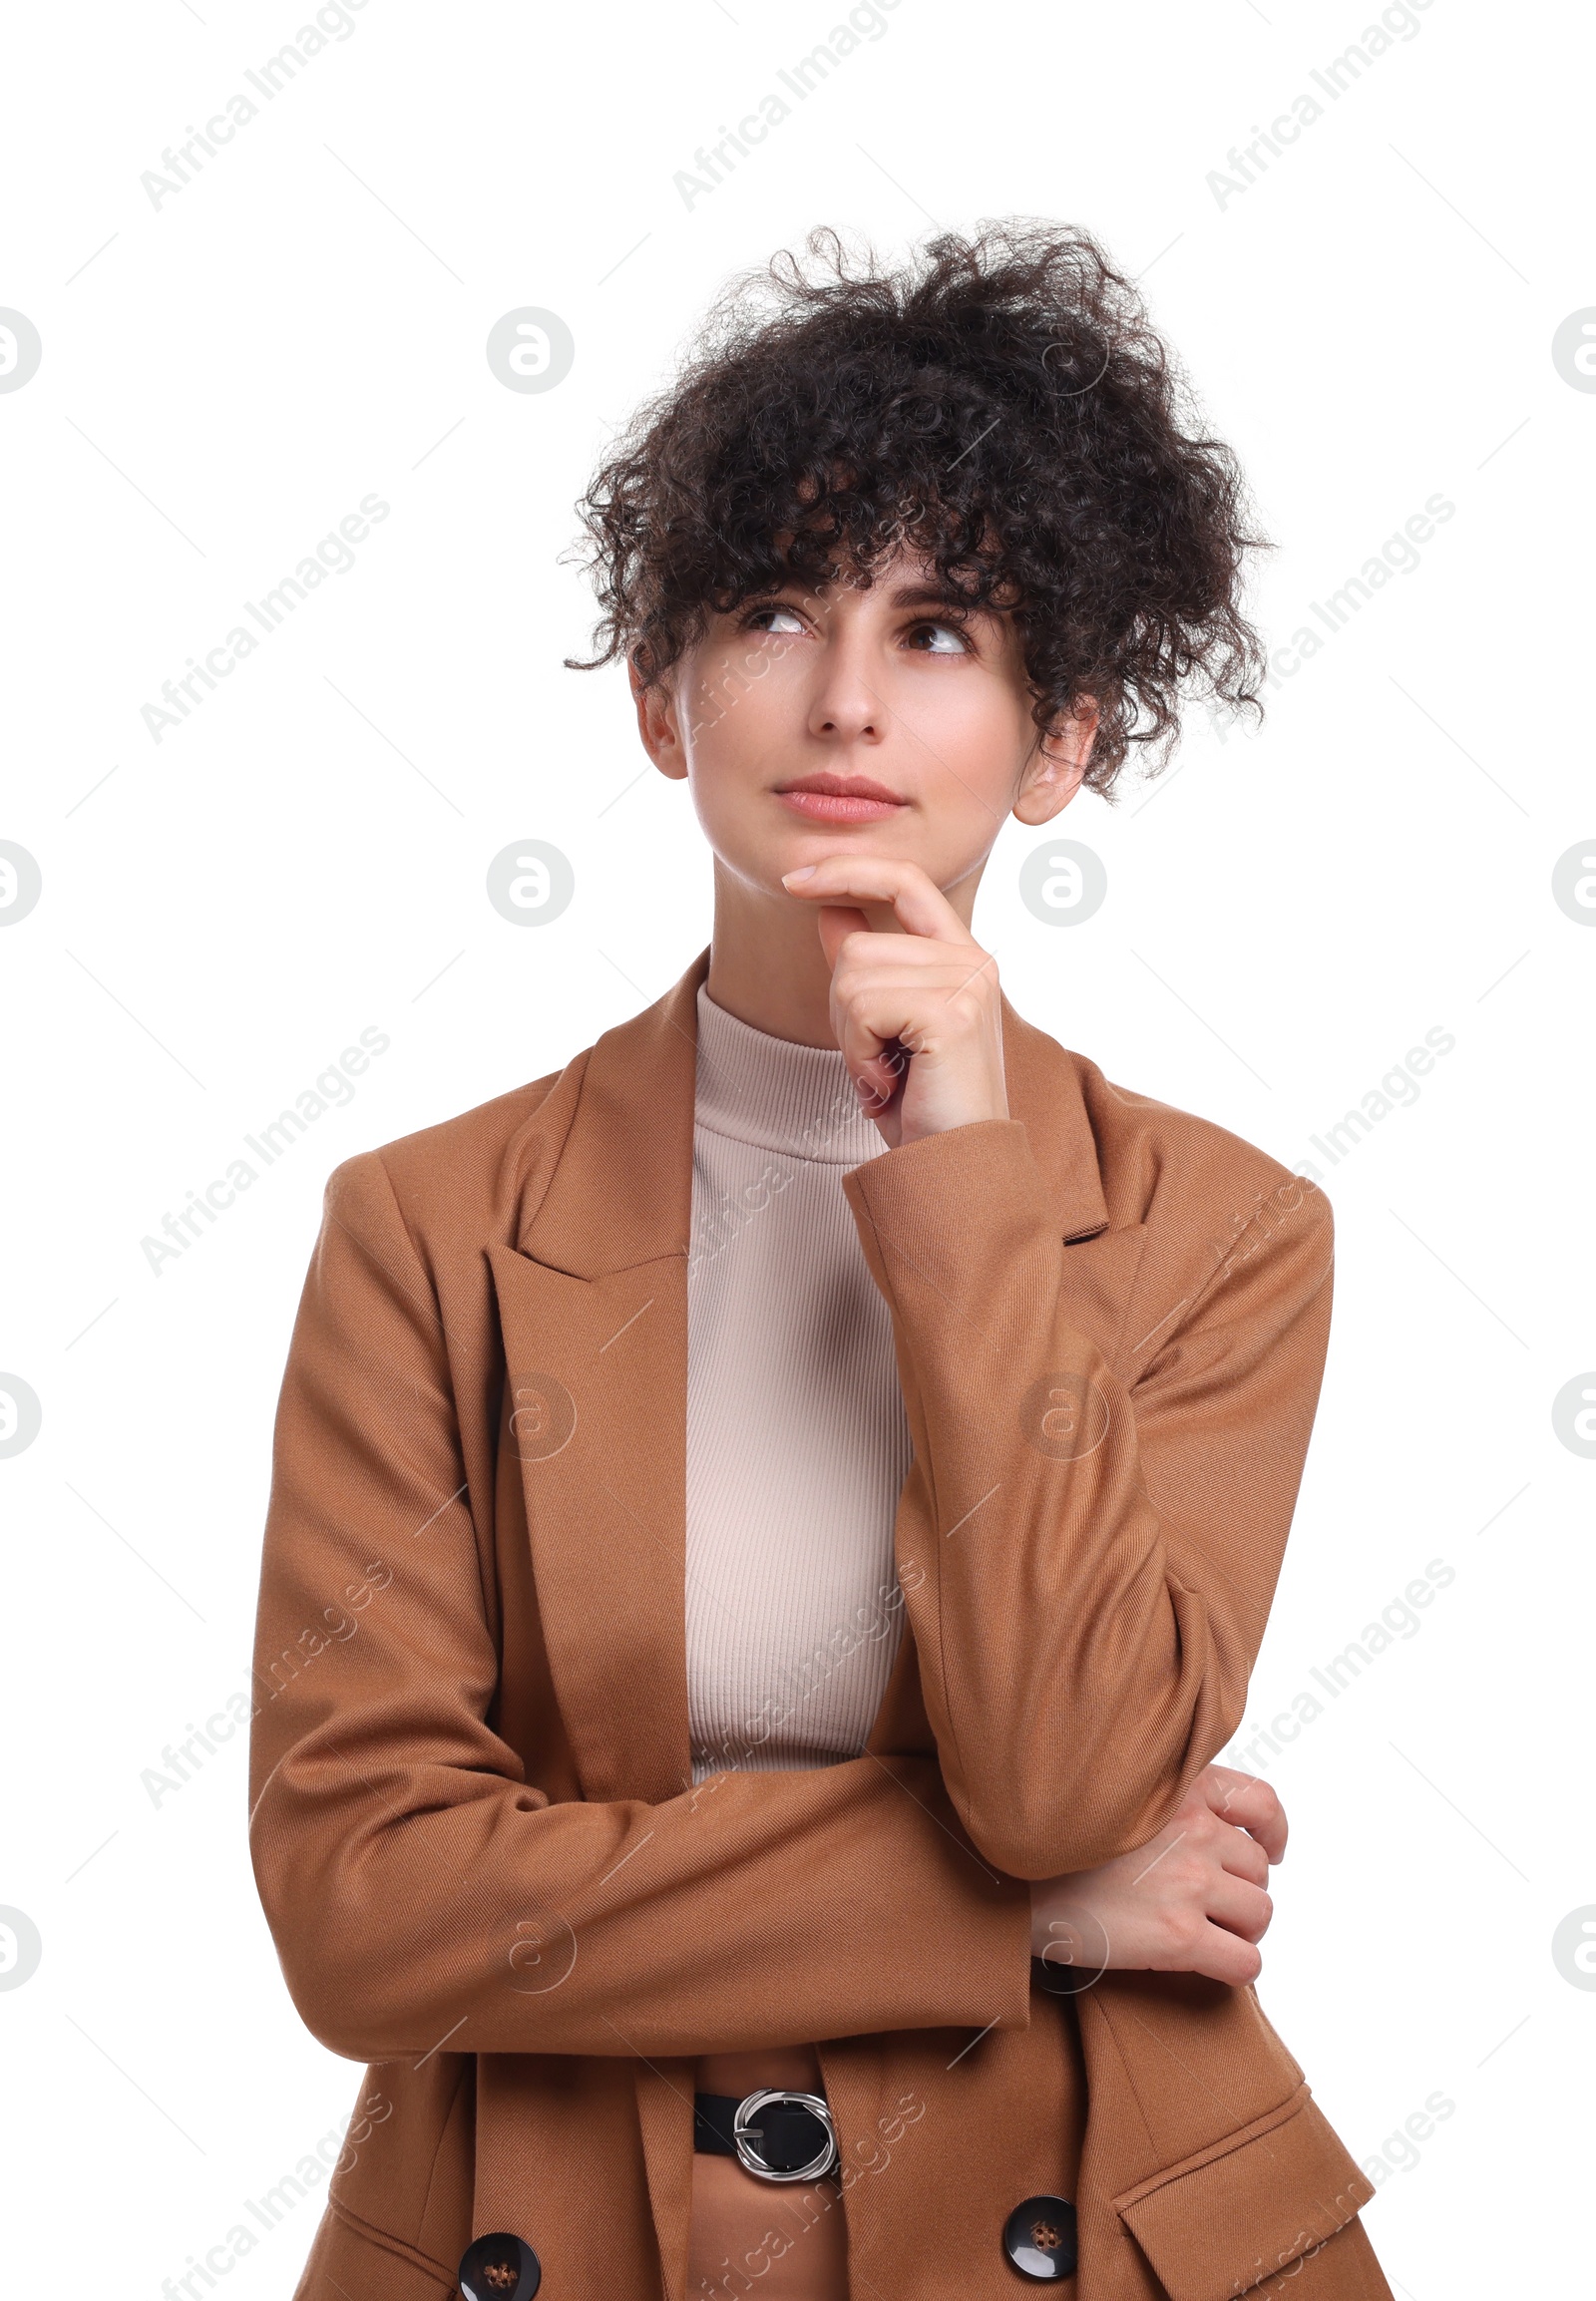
(1039, 2238)
(500, 2269)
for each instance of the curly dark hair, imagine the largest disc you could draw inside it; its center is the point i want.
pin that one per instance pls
(1001, 405)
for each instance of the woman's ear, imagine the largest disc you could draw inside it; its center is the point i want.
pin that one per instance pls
(657, 725)
(1054, 769)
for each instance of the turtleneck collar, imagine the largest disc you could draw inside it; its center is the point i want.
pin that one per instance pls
(777, 1094)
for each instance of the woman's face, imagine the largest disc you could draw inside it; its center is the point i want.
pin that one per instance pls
(885, 718)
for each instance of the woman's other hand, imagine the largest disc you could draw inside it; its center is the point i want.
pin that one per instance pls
(1191, 1901)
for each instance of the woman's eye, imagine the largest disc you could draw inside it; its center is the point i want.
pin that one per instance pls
(942, 638)
(771, 619)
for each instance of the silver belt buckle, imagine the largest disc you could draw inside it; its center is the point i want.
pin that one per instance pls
(743, 2129)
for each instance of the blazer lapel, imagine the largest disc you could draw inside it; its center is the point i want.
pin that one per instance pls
(1045, 1092)
(592, 1303)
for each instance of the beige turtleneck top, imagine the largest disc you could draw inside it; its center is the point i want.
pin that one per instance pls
(797, 1447)
(797, 1442)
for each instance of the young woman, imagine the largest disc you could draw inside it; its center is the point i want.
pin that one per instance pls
(771, 1525)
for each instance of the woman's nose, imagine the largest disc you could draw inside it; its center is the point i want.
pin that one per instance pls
(846, 706)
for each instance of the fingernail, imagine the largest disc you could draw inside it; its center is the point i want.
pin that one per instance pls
(804, 870)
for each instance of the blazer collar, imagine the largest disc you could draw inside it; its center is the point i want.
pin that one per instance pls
(622, 1192)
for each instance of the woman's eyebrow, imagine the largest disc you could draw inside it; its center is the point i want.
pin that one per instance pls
(909, 594)
(928, 596)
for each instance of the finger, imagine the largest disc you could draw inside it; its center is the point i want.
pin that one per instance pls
(1250, 1803)
(837, 923)
(879, 1080)
(882, 1025)
(912, 965)
(877, 1062)
(891, 987)
(1239, 1907)
(927, 1002)
(1241, 1855)
(1224, 1957)
(921, 907)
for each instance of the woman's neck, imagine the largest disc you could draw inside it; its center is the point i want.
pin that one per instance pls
(766, 964)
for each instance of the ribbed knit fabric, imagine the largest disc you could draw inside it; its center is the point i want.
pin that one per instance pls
(797, 1442)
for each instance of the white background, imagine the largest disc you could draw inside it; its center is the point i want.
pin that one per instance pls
(225, 375)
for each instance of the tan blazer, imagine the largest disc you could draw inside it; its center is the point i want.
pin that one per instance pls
(473, 1824)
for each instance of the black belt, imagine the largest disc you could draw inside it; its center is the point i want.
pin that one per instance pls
(776, 2135)
(783, 2136)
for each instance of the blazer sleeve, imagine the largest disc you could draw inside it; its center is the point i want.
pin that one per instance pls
(421, 1891)
(1099, 1547)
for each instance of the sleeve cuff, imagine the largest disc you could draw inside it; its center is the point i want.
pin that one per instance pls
(939, 1208)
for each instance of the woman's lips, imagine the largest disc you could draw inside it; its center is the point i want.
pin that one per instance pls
(839, 799)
